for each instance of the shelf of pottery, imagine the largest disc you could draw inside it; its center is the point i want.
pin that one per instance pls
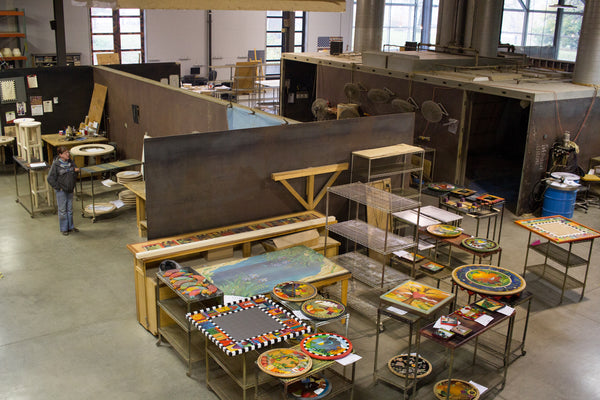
(12, 38)
(30, 151)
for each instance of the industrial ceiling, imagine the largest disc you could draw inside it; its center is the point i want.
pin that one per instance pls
(283, 5)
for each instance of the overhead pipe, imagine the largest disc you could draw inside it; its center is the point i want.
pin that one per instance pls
(368, 32)
(587, 63)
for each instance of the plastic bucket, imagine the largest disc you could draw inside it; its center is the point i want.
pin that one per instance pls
(559, 201)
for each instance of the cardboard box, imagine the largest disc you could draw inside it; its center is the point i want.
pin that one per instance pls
(306, 238)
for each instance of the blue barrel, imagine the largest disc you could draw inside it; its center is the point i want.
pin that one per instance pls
(559, 201)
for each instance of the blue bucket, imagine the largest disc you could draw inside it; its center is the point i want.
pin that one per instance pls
(559, 201)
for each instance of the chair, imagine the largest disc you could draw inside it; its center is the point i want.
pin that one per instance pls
(244, 80)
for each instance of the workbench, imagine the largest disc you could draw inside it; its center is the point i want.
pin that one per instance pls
(55, 140)
(147, 255)
(558, 231)
(491, 380)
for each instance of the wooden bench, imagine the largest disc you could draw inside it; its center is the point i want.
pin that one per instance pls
(148, 255)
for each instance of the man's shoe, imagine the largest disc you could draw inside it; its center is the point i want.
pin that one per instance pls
(74, 230)
(66, 233)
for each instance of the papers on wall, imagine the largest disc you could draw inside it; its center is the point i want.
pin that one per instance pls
(32, 81)
(9, 90)
(47, 106)
(10, 116)
(37, 107)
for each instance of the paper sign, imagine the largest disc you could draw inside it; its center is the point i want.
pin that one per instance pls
(484, 320)
(32, 81)
(349, 359)
(506, 310)
(397, 310)
(48, 106)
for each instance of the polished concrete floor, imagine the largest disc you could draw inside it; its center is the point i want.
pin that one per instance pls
(68, 326)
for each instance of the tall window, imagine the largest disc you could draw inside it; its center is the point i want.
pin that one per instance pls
(275, 40)
(408, 21)
(548, 32)
(118, 31)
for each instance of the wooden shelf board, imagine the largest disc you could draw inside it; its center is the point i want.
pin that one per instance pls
(12, 13)
(12, 34)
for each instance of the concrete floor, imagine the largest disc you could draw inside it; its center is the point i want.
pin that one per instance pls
(68, 326)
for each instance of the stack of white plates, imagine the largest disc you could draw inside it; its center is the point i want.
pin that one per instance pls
(127, 197)
(129, 176)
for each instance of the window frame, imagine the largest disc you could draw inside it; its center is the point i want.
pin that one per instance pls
(270, 63)
(115, 18)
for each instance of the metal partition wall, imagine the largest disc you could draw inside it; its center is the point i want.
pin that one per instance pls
(207, 180)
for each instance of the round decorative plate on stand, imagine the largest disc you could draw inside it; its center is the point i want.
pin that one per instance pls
(481, 245)
(284, 363)
(100, 208)
(459, 390)
(323, 309)
(488, 280)
(402, 365)
(446, 231)
(326, 346)
(294, 291)
(92, 149)
(313, 387)
(441, 187)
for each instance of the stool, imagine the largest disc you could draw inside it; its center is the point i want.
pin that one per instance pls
(589, 180)
(19, 134)
(40, 189)
(31, 141)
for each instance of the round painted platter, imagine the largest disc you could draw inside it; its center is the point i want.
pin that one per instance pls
(313, 387)
(442, 230)
(459, 390)
(326, 346)
(481, 245)
(323, 309)
(284, 363)
(488, 279)
(402, 365)
(294, 291)
(441, 187)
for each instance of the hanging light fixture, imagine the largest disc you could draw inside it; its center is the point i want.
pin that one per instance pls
(560, 4)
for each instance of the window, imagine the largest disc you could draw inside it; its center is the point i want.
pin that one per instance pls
(118, 31)
(534, 23)
(407, 21)
(275, 40)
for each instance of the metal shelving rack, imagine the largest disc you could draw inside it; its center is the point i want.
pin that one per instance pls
(387, 162)
(180, 334)
(382, 241)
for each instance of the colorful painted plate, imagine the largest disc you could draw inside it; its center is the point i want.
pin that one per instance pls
(459, 390)
(441, 230)
(313, 387)
(284, 363)
(323, 309)
(402, 365)
(294, 291)
(326, 346)
(441, 187)
(488, 279)
(481, 245)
